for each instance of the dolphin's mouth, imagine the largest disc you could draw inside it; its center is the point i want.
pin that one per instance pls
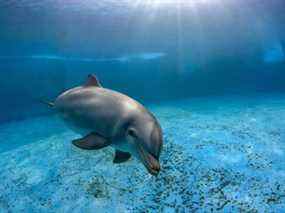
(149, 161)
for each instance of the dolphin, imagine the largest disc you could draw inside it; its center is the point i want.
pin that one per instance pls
(105, 117)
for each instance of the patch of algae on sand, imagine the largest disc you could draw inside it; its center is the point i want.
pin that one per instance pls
(98, 187)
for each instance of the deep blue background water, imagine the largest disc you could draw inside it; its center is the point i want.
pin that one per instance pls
(151, 50)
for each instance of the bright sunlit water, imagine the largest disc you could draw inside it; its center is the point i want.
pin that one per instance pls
(211, 71)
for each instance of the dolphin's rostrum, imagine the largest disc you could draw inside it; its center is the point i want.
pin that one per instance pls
(105, 117)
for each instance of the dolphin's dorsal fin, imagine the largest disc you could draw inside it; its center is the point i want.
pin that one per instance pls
(92, 81)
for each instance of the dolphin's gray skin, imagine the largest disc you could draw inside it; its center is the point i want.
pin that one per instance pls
(105, 117)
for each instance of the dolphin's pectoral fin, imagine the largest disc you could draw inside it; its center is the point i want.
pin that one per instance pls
(91, 141)
(121, 157)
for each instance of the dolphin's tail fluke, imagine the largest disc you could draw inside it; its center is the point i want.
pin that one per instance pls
(49, 103)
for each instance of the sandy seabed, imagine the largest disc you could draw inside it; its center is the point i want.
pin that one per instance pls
(220, 155)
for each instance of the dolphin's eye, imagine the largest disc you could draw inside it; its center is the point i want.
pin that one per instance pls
(132, 133)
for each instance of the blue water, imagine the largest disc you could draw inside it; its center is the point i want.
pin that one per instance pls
(211, 71)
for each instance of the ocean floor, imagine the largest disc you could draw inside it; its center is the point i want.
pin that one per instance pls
(220, 154)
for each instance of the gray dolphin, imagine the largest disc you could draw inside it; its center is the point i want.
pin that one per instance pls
(108, 118)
